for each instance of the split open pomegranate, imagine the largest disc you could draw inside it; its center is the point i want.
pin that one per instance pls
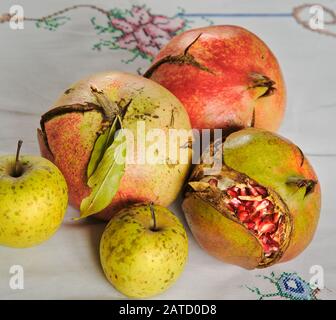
(243, 200)
(260, 207)
(254, 208)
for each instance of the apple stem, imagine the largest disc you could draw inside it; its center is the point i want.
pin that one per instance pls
(17, 169)
(153, 216)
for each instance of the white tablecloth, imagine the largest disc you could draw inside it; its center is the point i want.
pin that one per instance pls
(37, 64)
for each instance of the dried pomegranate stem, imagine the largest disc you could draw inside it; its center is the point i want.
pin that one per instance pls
(182, 59)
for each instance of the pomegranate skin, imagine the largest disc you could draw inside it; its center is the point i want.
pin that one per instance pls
(67, 138)
(226, 240)
(228, 79)
(273, 162)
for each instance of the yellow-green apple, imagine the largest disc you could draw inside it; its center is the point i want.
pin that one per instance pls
(143, 250)
(33, 200)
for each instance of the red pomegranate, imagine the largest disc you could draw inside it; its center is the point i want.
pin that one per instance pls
(225, 76)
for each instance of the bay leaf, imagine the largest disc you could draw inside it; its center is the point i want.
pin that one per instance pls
(105, 180)
(100, 146)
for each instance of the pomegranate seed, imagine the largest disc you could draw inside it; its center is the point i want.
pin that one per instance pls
(266, 248)
(258, 221)
(262, 191)
(273, 244)
(264, 239)
(270, 207)
(266, 227)
(249, 206)
(235, 202)
(257, 214)
(254, 215)
(243, 216)
(213, 182)
(263, 204)
(230, 207)
(276, 217)
(250, 225)
(250, 210)
(253, 191)
(255, 204)
(269, 245)
(265, 212)
(232, 193)
(268, 218)
(243, 192)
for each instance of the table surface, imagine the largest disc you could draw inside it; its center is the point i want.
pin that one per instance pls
(38, 62)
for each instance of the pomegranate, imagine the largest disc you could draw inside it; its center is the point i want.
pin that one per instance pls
(261, 207)
(70, 130)
(225, 76)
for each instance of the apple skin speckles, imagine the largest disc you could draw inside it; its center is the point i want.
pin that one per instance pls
(32, 205)
(138, 261)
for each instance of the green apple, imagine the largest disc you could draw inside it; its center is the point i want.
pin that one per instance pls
(33, 200)
(143, 250)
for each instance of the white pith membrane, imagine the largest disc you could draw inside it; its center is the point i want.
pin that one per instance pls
(259, 209)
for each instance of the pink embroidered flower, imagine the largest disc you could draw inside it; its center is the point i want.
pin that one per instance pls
(144, 31)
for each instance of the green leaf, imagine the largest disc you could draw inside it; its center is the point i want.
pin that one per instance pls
(102, 143)
(106, 178)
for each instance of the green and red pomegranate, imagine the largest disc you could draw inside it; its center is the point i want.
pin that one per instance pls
(261, 207)
(225, 76)
(71, 129)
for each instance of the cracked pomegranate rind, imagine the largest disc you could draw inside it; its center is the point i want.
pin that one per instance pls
(242, 200)
(266, 186)
(205, 220)
(70, 129)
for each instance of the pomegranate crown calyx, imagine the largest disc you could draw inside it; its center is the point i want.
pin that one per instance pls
(300, 182)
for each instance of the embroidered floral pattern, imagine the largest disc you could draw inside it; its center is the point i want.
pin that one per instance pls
(287, 286)
(139, 31)
(146, 32)
(52, 23)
